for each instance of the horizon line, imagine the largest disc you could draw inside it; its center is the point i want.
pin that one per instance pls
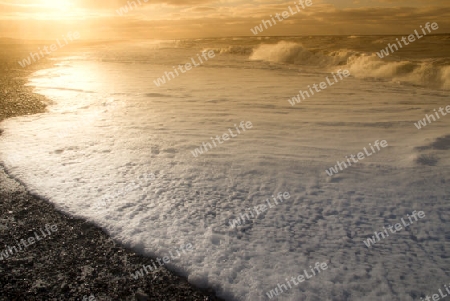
(216, 37)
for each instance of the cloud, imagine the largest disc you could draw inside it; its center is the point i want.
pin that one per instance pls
(98, 19)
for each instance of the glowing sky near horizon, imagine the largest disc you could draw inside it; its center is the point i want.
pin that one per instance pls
(160, 19)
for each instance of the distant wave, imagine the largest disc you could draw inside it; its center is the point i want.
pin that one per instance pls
(239, 50)
(294, 53)
(433, 74)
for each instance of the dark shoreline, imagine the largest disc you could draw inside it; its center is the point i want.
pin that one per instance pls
(79, 259)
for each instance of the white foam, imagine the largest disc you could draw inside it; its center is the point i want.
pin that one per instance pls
(288, 149)
(429, 73)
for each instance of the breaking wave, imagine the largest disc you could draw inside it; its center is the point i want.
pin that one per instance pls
(432, 74)
(294, 53)
(237, 50)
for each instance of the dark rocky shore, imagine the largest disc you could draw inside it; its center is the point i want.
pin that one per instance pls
(79, 260)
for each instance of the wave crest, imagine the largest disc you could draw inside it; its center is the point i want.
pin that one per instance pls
(294, 53)
(432, 74)
(429, 74)
(239, 50)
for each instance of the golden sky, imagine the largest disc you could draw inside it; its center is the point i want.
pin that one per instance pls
(168, 19)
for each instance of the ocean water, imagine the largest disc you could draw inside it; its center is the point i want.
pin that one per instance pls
(117, 149)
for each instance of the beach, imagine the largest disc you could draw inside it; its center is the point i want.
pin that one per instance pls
(181, 172)
(224, 150)
(79, 260)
